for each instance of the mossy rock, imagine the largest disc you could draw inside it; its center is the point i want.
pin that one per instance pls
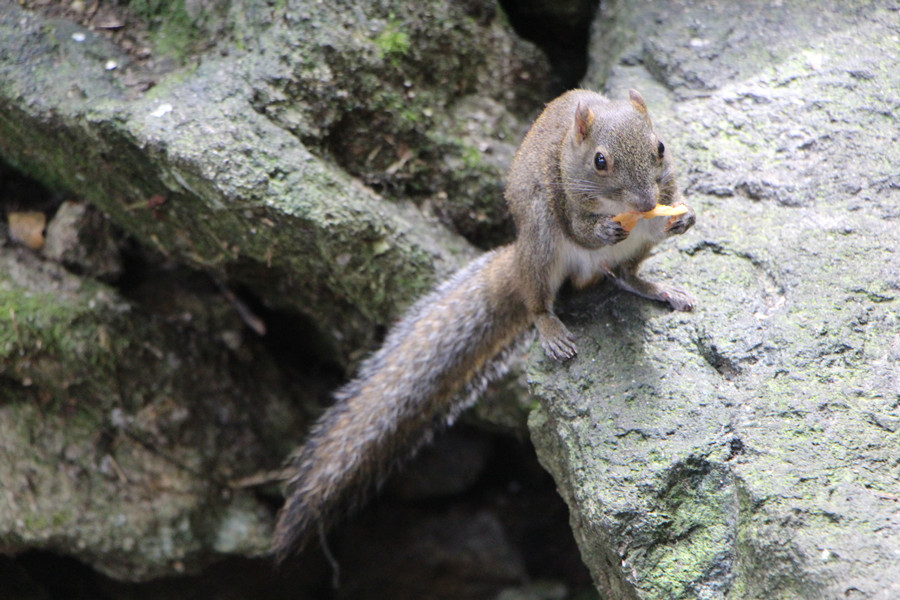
(743, 450)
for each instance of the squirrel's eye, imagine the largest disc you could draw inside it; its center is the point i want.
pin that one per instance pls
(600, 161)
(661, 149)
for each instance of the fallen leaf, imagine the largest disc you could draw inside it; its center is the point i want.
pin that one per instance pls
(27, 228)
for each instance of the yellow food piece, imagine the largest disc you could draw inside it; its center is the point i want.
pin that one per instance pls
(664, 210)
(629, 219)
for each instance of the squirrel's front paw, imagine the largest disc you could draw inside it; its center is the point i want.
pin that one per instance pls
(681, 223)
(556, 340)
(609, 232)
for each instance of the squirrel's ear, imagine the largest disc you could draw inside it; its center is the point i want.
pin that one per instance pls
(637, 101)
(584, 118)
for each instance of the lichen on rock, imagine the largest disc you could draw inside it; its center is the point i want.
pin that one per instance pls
(309, 167)
(742, 450)
(101, 448)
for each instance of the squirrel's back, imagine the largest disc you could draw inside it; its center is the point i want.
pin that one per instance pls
(432, 365)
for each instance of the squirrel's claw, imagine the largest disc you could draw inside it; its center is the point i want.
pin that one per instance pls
(678, 299)
(609, 231)
(560, 349)
(680, 223)
(556, 340)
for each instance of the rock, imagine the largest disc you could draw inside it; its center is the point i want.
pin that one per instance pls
(744, 450)
(390, 91)
(106, 452)
(82, 239)
(535, 591)
(450, 465)
(459, 553)
(217, 166)
(17, 584)
(295, 171)
(561, 29)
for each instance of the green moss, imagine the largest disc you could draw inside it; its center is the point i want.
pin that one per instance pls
(393, 43)
(692, 537)
(471, 157)
(410, 117)
(61, 518)
(65, 342)
(174, 30)
(37, 522)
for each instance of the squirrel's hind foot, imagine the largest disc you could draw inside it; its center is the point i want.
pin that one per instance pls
(677, 299)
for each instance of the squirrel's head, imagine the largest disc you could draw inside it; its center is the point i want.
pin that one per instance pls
(611, 157)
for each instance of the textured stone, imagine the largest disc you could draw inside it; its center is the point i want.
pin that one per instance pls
(308, 157)
(106, 449)
(747, 449)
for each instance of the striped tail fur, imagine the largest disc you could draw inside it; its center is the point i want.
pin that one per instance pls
(433, 364)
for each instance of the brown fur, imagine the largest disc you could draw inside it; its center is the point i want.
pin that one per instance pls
(455, 340)
(431, 367)
(562, 204)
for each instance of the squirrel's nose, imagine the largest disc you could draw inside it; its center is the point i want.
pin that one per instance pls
(645, 200)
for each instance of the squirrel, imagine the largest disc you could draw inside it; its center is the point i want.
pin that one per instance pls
(585, 159)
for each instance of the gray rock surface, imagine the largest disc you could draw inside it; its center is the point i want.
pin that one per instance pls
(106, 453)
(240, 162)
(307, 154)
(748, 449)
(313, 156)
(452, 554)
(82, 239)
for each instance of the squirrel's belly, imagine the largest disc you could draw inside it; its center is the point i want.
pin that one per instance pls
(584, 264)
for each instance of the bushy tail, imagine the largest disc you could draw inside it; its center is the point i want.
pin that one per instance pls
(433, 364)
